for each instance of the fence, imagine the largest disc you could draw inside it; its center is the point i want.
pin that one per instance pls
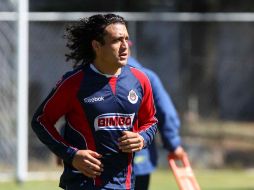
(47, 63)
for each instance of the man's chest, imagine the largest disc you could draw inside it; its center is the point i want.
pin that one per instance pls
(102, 96)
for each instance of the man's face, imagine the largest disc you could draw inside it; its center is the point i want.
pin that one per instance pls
(114, 53)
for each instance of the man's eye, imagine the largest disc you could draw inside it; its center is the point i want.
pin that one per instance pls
(116, 40)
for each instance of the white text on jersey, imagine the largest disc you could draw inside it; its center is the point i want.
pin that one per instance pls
(114, 121)
(93, 99)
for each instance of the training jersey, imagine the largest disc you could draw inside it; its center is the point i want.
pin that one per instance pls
(97, 109)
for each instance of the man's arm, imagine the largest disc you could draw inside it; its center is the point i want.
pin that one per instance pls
(146, 125)
(169, 123)
(57, 104)
(43, 124)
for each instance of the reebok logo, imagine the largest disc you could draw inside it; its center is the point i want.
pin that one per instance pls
(94, 99)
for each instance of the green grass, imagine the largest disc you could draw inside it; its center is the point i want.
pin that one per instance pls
(208, 180)
(164, 180)
(31, 185)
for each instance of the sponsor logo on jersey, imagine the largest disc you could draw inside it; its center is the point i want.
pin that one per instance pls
(133, 97)
(114, 121)
(93, 99)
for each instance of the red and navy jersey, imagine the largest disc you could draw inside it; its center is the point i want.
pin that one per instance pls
(97, 109)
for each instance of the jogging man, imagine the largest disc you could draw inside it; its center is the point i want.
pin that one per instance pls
(107, 104)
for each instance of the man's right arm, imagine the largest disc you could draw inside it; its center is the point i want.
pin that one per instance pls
(56, 105)
(44, 119)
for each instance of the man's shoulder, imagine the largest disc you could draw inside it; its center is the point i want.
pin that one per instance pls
(71, 77)
(132, 62)
(140, 75)
(138, 72)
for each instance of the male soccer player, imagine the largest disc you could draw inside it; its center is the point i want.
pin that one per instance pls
(107, 104)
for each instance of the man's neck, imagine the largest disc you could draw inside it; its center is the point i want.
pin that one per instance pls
(97, 71)
(107, 70)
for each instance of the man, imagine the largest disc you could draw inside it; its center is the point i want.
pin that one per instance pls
(108, 107)
(146, 160)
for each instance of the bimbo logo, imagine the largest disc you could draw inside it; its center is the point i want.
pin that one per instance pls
(114, 121)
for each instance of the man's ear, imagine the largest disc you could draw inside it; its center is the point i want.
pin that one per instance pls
(96, 45)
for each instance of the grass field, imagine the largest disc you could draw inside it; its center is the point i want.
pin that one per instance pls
(208, 180)
(163, 180)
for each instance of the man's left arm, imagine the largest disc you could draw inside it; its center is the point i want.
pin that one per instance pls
(147, 122)
(146, 125)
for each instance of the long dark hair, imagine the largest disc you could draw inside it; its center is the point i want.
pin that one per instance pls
(80, 35)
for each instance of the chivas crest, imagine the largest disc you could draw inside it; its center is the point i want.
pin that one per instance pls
(133, 97)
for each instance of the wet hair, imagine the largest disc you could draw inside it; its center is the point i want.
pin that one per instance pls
(81, 34)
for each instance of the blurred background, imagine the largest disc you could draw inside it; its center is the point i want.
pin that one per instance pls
(205, 60)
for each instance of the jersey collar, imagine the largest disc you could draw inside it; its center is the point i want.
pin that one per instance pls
(97, 71)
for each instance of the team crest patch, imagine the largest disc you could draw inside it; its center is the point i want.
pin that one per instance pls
(133, 97)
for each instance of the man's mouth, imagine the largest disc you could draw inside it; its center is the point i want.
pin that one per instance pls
(123, 55)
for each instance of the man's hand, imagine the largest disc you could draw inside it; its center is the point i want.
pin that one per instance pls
(130, 142)
(178, 153)
(87, 162)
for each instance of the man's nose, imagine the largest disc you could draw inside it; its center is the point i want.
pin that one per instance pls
(125, 44)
